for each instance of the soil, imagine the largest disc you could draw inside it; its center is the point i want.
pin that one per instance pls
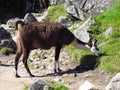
(73, 75)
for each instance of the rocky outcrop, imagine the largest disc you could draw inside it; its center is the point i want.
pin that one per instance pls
(29, 18)
(40, 85)
(83, 32)
(114, 83)
(84, 8)
(6, 39)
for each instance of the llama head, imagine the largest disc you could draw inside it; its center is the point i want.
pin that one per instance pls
(91, 45)
(94, 48)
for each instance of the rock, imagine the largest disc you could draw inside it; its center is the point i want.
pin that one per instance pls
(31, 6)
(11, 22)
(6, 39)
(40, 85)
(4, 34)
(5, 27)
(29, 18)
(42, 17)
(87, 86)
(84, 8)
(56, 2)
(114, 83)
(65, 21)
(83, 32)
(109, 31)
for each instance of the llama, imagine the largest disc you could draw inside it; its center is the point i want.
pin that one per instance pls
(45, 35)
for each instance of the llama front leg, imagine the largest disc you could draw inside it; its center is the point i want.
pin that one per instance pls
(56, 62)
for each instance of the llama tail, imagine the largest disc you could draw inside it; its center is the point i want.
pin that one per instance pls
(19, 25)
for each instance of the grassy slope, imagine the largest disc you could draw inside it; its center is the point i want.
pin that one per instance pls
(109, 45)
(55, 11)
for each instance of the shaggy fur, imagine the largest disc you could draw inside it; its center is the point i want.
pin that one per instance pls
(40, 35)
(43, 35)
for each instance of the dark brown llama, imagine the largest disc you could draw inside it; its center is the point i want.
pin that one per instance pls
(45, 35)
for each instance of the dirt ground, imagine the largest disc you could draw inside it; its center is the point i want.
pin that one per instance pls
(73, 75)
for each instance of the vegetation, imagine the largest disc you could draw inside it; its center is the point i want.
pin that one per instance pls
(26, 87)
(58, 86)
(55, 11)
(6, 50)
(109, 45)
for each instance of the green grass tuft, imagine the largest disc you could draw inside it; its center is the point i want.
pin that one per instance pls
(56, 11)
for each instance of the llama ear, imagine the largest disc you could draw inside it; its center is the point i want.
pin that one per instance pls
(94, 41)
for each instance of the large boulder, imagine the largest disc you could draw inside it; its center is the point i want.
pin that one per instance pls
(29, 18)
(6, 39)
(114, 83)
(84, 8)
(83, 32)
(40, 85)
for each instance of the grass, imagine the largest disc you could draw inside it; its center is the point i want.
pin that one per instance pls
(26, 87)
(56, 11)
(6, 50)
(109, 45)
(57, 86)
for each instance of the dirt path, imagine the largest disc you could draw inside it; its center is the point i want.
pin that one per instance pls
(71, 77)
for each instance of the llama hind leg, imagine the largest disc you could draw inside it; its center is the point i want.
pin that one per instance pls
(18, 55)
(56, 62)
(25, 57)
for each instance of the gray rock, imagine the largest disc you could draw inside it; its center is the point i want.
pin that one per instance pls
(84, 8)
(11, 22)
(29, 18)
(6, 39)
(4, 34)
(114, 83)
(109, 31)
(40, 85)
(56, 2)
(65, 21)
(82, 33)
(87, 86)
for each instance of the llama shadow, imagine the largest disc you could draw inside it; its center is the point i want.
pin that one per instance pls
(6, 65)
(89, 62)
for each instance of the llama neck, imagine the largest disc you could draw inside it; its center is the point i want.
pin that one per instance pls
(80, 45)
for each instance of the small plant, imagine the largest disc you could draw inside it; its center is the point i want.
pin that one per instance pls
(31, 65)
(55, 11)
(57, 86)
(6, 50)
(26, 87)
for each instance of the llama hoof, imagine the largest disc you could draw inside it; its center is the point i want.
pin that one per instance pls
(17, 76)
(55, 71)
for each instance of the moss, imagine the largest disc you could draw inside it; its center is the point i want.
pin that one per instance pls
(6, 50)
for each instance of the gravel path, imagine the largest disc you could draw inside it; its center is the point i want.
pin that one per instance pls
(71, 77)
